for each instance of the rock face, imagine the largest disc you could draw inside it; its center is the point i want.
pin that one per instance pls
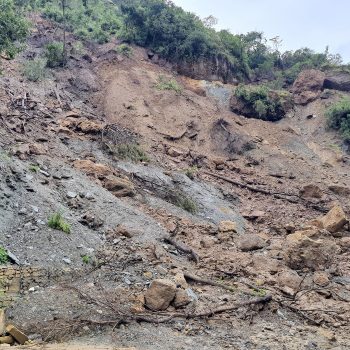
(160, 294)
(337, 81)
(314, 249)
(308, 86)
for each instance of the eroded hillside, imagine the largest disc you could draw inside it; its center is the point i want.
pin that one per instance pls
(191, 227)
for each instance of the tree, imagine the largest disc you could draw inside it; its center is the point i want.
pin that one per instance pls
(14, 29)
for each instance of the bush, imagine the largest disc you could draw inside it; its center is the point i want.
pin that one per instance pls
(130, 152)
(165, 83)
(4, 257)
(35, 70)
(339, 117)
(57, 222)
(124, 50)
(261, 102)
(54, 55)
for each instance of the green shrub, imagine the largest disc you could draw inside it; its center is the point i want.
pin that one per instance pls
(131, 152)
(57, 222)
(339, 117)
(35, 70)
(191, 172)
(185, 203)
(124, 50)
(86, 259)
(165, 83)
(34, 168)
(261, 102)
(54, 55)
(4, 258)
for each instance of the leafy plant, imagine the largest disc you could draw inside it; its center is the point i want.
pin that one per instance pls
(165, 83)
(54, 54)
(35, 70)
(57, 222)
(191, 172)
(86, 259)
(124, 50)
(4, 258)
(131, 152)
(339, 117)
(185, 203)
(34, 168)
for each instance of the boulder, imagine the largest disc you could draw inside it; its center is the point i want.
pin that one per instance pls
(181, 298)
(314, 249)
(118, 186)
(289, 279)
(311, 191)
(160, 294)
(93, 169)
(320, 278)
(251, 242)
(227, 226)
(337, 80)
(174, 152)
(334, 220)
(308, 86)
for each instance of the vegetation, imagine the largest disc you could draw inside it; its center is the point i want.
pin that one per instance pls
(34, 70)
(57, 222)
(4, 257)
(86, 259)
(131, 152)
(191, 172)
(185, 203)
(165, 83)
(13, 29)
(339, 117)
(124, 50)
(54, 54)
(261, 102)
(34, 168)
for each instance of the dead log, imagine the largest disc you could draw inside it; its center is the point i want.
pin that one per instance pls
(183, 247)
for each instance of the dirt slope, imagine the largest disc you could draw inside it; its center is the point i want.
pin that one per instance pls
(243, 181)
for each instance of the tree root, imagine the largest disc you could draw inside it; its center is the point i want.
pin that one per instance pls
(183, 247)
(208, 282)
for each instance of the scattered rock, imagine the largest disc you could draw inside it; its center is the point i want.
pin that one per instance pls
(160, 294)
(251, 242)
(71, 194)
(255, 214)
(340, 190)
(227, 226)
(334, 220)
(181, 298)
(311, 191)
(174, 152)
(19, 336)
(93, 169)
(290, 279)
(321, 278)
(119, 187)
(67, 261)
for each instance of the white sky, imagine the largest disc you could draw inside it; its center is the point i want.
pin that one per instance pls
(300, 23)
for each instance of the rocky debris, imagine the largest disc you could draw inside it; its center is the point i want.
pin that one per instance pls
(91, 220)
(321, 278)
(308, 86)
(92, 169)
(23, 151)
(333, 221)
(311, 191)
(337, 80)
(289, 281)
(251, 242)
(227, 226)
(181, 298)
(19, 336)
(313, 248)
(118, 186)
(83, 125)
(174, 152)
(340, 190)
(253, 215)
(85, 80)
(160, 294)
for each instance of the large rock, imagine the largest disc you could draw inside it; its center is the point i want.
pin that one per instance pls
(313, 248)
(339, 80)
(118, 186)
(251, 242)
(308, 86)
(311, 191)
(93, 169)
(160, 294)
(334, 220)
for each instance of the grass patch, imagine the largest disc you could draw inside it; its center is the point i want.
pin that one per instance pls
(125, 50)
(35, 70)
(57, 222)
(165, 83)
(4, 257)
(34, 168)
(131, 152)
(185, 203)
(191, 172)
(86, 259)
(339, 117)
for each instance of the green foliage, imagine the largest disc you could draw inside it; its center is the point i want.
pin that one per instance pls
(191, 172)
(34, 168)
(57, 222)
(54, 54)
(14, 28)
(34, 70)
(4, 258)
(86, 259)
(131, 152)
(99, 20)
(125, 50)
(165, 83)
(339, 117)
(185, 203)
(261, 102)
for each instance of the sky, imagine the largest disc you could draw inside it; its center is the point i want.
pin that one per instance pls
(299, 23)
